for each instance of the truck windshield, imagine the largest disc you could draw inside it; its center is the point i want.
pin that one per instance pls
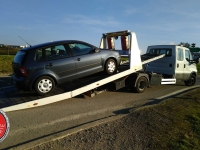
(167, 52)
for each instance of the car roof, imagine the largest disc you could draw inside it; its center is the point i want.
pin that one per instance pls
(53, 43)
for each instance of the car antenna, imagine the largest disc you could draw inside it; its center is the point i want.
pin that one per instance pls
(25, 41)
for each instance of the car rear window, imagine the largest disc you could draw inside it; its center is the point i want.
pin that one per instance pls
(19, 56)
(167, 52)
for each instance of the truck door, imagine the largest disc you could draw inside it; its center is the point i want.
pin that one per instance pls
(180, 63)
(187, 65)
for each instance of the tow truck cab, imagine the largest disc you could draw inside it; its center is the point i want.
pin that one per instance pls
(178, 63)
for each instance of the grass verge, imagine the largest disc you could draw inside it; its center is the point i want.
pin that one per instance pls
(6, 64)
(175, 123)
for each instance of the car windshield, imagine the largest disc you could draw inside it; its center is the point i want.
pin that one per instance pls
(19, 56)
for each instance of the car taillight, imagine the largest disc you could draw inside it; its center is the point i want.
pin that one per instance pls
(23, 71)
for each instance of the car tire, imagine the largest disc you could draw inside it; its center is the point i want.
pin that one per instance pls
(191, 81)
(44, 85)
(141, 85)
(110, 66)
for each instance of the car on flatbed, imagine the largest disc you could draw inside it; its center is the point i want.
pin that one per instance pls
(41, 67)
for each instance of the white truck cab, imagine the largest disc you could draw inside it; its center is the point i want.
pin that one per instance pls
(178, 63)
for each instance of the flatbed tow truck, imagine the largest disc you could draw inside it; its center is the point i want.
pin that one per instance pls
(130, 74)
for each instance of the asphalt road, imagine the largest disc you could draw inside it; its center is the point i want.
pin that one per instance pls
(36, 123)
(5, 81)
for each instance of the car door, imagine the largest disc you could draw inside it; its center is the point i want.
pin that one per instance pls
(59, 63)
(179, 63)
(86, 58)
(188, 65)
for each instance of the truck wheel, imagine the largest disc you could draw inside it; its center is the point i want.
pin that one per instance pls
(141, 85)
(191, 81)
(110, 66)
(44, 85)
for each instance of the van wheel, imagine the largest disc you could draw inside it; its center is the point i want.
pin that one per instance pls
(191, 81)
(141, 85)
(110, 66)
(44, 85)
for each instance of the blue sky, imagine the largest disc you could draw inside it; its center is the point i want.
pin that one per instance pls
(153, 21)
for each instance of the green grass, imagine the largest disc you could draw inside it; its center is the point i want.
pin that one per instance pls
(175, 123)
(6, 64)
(198, 68)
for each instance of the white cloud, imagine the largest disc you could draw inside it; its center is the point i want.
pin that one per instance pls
(168, 43)
(130, 11)
(85, 20)
(21, 27)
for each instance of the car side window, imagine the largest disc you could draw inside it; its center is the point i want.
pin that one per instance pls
(39, 55)
(80, 49)
(52, 52)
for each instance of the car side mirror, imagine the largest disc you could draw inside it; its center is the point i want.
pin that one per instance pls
(97, 50)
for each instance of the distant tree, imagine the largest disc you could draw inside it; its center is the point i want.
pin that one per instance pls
(185, 44)
(193, 45)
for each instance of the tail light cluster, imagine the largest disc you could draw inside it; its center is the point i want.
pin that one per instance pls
(23, 71)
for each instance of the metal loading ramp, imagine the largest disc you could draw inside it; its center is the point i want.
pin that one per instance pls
(11, 99)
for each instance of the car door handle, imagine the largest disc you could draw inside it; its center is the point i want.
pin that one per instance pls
(78, 59)
(49, 65)
(177, 65)
(184, 65)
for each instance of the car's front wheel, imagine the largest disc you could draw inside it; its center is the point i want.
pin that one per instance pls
(110, 66)
(44, 85)
(191, 81)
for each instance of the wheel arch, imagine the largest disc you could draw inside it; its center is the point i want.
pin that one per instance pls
(37, 77)
(111, 58)
(194, 73)
(139, 76)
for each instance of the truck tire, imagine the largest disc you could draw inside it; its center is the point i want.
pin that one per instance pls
(191, 81)
(141, 85)
(110, 66)
(44, 85)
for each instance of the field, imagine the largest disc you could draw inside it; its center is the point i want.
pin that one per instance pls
(5, 64)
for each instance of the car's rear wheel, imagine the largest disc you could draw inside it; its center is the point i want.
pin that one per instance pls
(44, 85)
(110, 66)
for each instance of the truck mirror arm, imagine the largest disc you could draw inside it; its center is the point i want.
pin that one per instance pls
(194, 61)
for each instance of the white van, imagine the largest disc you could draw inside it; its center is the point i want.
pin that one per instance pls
(177, 64)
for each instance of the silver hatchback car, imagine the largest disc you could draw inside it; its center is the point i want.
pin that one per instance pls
(42, 67)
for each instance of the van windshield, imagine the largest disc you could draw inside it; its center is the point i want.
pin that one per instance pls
(167, 52)
(19, 56)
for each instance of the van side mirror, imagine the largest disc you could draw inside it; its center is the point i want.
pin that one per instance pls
(196, 61)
